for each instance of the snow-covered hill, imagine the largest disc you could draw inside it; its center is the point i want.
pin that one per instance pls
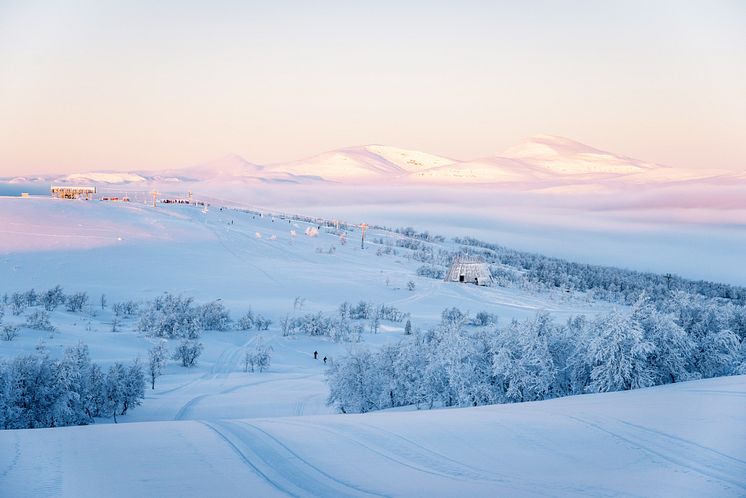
(678, 440)
(567, 157)
(216, 430)
(371, 162)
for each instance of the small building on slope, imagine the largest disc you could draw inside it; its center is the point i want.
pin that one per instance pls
(469, 270)
(73, 192)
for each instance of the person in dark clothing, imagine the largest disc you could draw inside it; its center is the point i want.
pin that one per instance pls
(315, 355)
(324, 360)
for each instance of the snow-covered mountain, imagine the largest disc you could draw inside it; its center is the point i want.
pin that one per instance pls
(542, 161)
(367, 162)
(567, 157)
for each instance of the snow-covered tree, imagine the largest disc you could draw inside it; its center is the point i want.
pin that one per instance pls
(619, 355)
(157, 358)
(187, 352)
(213, 316)
(52, 298)
(76, 302)
(170, 316)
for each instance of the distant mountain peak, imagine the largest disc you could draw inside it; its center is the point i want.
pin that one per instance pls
(565, 156)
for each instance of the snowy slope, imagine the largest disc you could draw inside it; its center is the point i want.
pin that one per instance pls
(131, 249)
(487, 170)
(677, 440)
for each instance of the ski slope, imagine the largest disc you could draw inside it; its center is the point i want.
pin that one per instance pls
(677, 440)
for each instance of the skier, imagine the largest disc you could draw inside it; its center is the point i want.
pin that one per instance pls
(324, 360)
(315, 355)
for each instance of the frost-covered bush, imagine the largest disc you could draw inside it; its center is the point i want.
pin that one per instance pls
(319, 324)
(390, 313)
(8, 332)
(126, 309)
(187, 352)
(360, 311)
(251, 321)
(76, 302)
(260, 358)
(262, 323)
(452, 316)
(18, 303)
(246, 322)
(213, 316)
(482, 319)
(170, 316)
(432, 271)
(52, 298)
(39, 320)
(31, 297)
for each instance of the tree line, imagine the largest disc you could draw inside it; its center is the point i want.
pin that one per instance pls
(536, 359)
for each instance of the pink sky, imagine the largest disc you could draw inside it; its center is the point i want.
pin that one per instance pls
(92, 85)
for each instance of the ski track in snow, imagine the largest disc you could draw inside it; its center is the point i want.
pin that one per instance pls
(281, 467)
(14, 459)
(674, 450)
(189, 405)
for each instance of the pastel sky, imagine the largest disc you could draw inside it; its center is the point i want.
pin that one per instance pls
(140, 84)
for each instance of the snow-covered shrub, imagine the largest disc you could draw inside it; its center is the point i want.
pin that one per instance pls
(452, 316)
(345, 331)
(262, 323)
(246, 322)
(18, 303)
(8, 332)
(76, 302)
(259, 358)
(432, 271)
(482, 319)
(362, 311)
(52, 298)
(390, 313)
(39, 320)
(126, 309)
(187, 352)
(312, 231)
(213, 316)
(410, 285)
(31, 297)
(170, 316)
